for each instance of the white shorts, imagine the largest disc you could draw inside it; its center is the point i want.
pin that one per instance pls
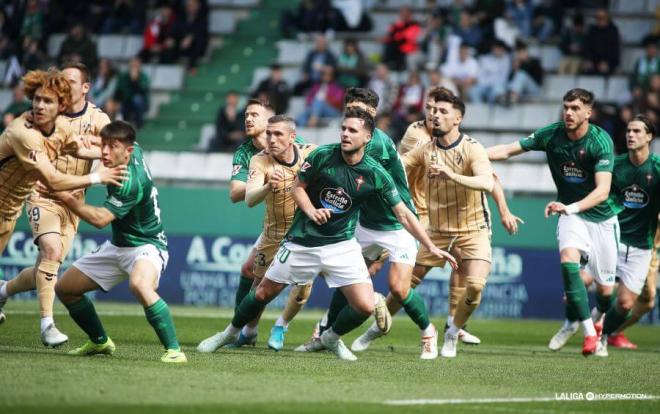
(341, 264)
(632, 267)
(111, 265)
(597, 243)
(401, 245)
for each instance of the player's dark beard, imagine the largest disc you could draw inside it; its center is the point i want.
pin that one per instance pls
(438, 133)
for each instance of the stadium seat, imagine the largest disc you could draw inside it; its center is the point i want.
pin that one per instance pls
(191, 166)
(206, 136)
(537, 115)
(222, 22)
(548, 54)
(628, 6)
(382, 22)
(218, 166)
(6, 97)
(595, 84)
(291, 52)
(55, 43)
(487, 139)
(504, 118)
(110, 46)
(162, 164)
(617, 90)
(633, 30)
(545, 183)
(523, 176)
(555, 86)
(167, 77)
(477, 116)
(291, 75)
(296, 106)
(629, 57)
(132, 46)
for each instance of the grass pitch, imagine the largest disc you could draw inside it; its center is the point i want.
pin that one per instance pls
(510, 372)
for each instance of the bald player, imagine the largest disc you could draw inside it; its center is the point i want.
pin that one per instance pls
(457, 176)
(53, 225)
(28, 147)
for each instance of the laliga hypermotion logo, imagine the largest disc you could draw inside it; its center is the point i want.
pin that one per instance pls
(335, 200)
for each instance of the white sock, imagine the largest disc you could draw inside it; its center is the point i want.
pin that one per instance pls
(596, 314)
(374, 327)
(324, 319)
(453, 329)
(429, 331)
(450, 319)
(250, 331)
(588, 327)
(3, 291)
(232, 330)
(46, 321)
(331, 335)
(570, 325)
(281, 322)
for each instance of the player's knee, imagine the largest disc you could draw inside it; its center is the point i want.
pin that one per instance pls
(140, 287)
(474, 287)
(301, 293)
(51, 251)
(642, 307)
(247, 270)
(365, 307)
(625, 305)
(48, 268)
(400, 290)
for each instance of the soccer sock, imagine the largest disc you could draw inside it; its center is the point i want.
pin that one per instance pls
(244, 286)
(46, 277)
(84, 314)
(470, 300)
(453, 329)
(603, 304)
(455, 295)
(281, 322)
(250, 331)
(160, 319)
(588, 327)
(3, 291)
(576, 292)
(337, 304)
(348, 319)
(613, 320)
(415, 307)
(323, 323)
(249, 308)
(22, 283)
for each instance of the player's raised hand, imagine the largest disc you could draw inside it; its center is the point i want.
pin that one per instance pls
(441, 171)
(113, 176)
(510, 223)
(445, 255)
(320, 216)
(276, 178)
(554, 207)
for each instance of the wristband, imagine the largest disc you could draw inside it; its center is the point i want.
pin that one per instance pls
(572, 209)
(95, 178)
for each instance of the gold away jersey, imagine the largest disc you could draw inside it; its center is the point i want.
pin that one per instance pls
(416, 135)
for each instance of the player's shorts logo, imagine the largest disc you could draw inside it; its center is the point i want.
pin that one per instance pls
(336, 200)
(635, 197)
(572, 172)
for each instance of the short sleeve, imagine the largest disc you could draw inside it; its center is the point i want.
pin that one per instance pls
(26, 145)
(257, 172)
(479, 161)
(414, 158)
(538, 140)
(409, 140)
(386, 188)
(122, 199)
(310, 166)
(604, 155)
(240, 167)
(100, 121)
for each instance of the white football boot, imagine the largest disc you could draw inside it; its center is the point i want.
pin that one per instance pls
(216, 341)
(467, 338)
(337, 346)
(449, 347)
(362, 342)
(601, 348)
(562, 336)
(52, 337)
(430, 346)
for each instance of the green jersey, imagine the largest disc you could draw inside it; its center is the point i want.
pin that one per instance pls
(135, 207)
(242, 157)
(638, 189)
(375, 213)
(341, 188)
(574, 164)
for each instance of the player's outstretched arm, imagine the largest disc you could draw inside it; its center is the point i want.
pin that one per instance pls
(317, 215)
(57, 181)
(504, 151)
(236, 191)
(87, 147)
(98, 217)
(410, 222)
(598, 195)
(509, 221)
(257, 187)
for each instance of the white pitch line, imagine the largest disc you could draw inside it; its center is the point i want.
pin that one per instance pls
(183, 314)
(508, 400)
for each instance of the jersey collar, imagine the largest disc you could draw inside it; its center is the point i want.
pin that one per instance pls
(77, 114)
(295, 158)
(452, 145)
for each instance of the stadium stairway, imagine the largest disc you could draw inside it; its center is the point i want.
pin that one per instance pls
(254, 30)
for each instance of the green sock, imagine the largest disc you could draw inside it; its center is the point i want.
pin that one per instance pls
(347, 320)
(244, 286)
(415, 307)
(247, 310)
(160, 319)
(84, 314)
(603, 303)
(337, 304)
(576, 292)
(571, 316)
(613, 320)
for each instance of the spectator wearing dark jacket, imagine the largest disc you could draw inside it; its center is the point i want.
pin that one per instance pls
(159, 38)
(526, 75)
(133, 92)
(573, 46)
(193, 34)
(401, 41)
(274, 89)
(229, 125)
(78, 47)
(603, 54)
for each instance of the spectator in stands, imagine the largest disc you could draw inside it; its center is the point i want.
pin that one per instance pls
(125, 16)
(645, 67)
(411, 95)
(33, 21)
(193, 34)
(435, 78)
(315, 60)
(133, 93)
(494, 69)
(324, 100)
(573, 46)
(78, 47)
(105, 84)
(401, 49)
(6, 36)
(649, 102)
(229, 125)
(485, 12)
(274, 89)
(310, 16)
(526, 76)
(520, 13)
(159, 38)
(433, 37)
(352, 66)
(16, 107)
(382, 84)
(602, 56)
(468, 31)
(350, 15)
(548, 16)
(461, 67)
(113, 109)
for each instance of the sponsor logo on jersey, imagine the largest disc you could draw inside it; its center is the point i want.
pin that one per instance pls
(336, 200)
(572, 172)
(635, 197)
(603, 163)
(236, 169)
(112, 200)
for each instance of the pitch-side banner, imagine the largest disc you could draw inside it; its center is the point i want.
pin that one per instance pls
(204, 271)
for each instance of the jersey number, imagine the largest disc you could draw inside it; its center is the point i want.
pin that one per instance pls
(34, 214)
(154, 197)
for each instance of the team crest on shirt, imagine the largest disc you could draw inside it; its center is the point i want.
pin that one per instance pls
(235, 169)
(359, 181)
(336, 200)
(635, 197)
(572, 172)
(305, 166)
